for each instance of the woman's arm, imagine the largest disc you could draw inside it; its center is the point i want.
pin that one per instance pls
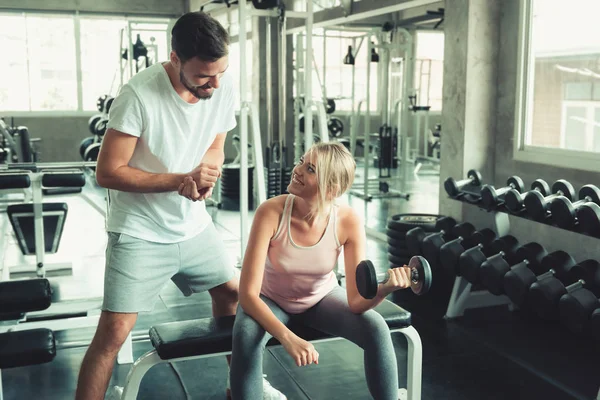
(264, 226)
(355, 252)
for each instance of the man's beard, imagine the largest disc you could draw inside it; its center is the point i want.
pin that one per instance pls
(194, 89)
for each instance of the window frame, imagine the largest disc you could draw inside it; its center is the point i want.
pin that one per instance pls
(572, 159)
(432, 111)
(76, 17)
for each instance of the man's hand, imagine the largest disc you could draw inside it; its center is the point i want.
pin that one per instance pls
(205, 175)
(189, 190)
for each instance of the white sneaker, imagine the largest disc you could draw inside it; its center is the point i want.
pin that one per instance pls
(269, 392)
(115, 393)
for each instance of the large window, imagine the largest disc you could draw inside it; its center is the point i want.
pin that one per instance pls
(429, 68)
(335, 80)
(38, 63)
(65, 62)
(559, 82)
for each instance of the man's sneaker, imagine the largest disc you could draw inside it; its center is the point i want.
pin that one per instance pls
(269, 392)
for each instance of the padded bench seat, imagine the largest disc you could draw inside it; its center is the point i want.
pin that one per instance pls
(25, 295)
(214, 335)
(209, 337)
(22, 348)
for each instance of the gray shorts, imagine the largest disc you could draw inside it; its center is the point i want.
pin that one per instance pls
(137, 270)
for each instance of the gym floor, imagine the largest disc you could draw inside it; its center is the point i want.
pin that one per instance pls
(489, 353)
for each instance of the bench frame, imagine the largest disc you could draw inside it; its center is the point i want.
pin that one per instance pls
(414, 365)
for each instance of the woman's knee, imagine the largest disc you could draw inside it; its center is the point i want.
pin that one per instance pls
(373, 326)
(248, 334)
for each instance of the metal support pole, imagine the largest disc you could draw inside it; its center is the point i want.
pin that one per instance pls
(269, 92)
(282, 78)
(38, 220)
(243, 131)
(308, 117)
(367, 123)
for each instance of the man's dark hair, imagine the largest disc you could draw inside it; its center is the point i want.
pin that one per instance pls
(197, 34)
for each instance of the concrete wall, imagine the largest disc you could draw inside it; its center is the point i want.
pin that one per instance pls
(479, 132)
(139, 7)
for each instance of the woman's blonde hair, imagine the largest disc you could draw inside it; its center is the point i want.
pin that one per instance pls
(335, 173)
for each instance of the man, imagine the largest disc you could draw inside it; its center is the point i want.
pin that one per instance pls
(168, 122)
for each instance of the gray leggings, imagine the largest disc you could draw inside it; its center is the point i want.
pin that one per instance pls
(331, 315)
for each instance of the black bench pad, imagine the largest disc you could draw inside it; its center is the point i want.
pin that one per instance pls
(25, 295)
(15, 181)
(22, 348)
(214, 335)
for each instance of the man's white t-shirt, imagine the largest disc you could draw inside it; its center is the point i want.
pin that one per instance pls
(173, 138)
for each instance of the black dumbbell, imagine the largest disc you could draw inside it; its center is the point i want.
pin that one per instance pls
(453, 188)
(537, 205)
(588, 217)
(367, 280)
(414, 237)
(564, 213)
(432, 243)
(470, 261)
(575, 308)
(491, 197)
(514, 200)
(544, 295)
(518, 280)
(449, 253)
(492, 271)
(595, 322)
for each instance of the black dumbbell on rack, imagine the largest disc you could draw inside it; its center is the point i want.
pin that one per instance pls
(492, 197)
(576, 307)
(432, 243)
(471, 260)
(588, 217)
(492, 271)
(414, 237)
(514, 200)
(595, 323)
(544, 295)
(367, 280)
(454, 188)
(450, 252)
(537, 205)
(564, 213)
(518, 280)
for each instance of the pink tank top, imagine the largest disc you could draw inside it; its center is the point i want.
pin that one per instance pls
(297, 277)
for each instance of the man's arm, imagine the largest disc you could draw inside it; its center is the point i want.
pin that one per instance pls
(113, 170)
(215, 155)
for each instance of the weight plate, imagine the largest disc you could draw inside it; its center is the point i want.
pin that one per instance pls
(588, 216)
(397, 244)
(405, 222)
(91, 153)
(590, 192)
(541, 186)
(366, 279)
(516, 183)
(85, 143)
(565, 187)
(421, 281)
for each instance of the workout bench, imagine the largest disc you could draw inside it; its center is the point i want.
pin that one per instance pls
(30, 347)
(211, 337)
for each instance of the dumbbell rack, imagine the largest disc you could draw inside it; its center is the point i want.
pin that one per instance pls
(463, 296)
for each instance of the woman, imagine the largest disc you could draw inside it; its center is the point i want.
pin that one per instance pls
(287, 274)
